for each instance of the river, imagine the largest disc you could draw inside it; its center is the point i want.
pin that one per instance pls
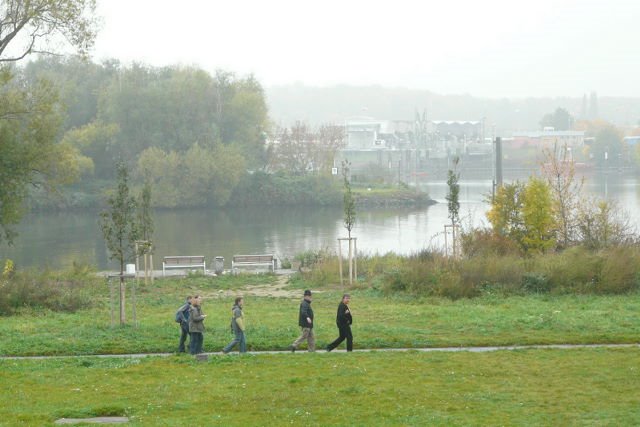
(57, 240)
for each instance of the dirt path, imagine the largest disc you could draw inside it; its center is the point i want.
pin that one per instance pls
(275, 290)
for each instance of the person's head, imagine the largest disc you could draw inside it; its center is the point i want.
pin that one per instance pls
(346, 298)
(239, 302)
(196, 300)
(307, 295)
(189, 299)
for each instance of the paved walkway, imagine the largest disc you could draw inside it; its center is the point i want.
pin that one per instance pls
(425, 350)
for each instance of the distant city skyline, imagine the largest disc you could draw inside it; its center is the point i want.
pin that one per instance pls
(494, 48)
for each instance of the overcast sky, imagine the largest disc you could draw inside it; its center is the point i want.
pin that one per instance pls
(491, 48)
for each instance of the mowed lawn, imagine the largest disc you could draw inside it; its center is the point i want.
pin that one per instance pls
(524, 387)
(379, 321)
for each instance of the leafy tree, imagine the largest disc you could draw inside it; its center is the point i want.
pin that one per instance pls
(608, 140)
(559, 120)
(30, 112)
(120, 228)
(505, 214)
(95, 141)
(349, 204)
(118, 223)
(537, 215)
(30, 26)
(210, 174)
(29, 121)
(453, 202)
(145, 214)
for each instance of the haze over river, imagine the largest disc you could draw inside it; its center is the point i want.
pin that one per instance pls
(58, 240)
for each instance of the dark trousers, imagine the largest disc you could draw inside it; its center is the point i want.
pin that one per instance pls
(184, 333)
(345, 332)
(195, 345)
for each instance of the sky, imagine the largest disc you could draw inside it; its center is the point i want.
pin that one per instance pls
(488, 48)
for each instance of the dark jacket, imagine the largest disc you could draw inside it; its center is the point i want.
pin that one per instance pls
(196, 319)
(305, 311)
(343, 318)
(183, 314)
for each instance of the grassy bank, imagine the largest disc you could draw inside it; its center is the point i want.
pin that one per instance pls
(535, 387)
(379, 320)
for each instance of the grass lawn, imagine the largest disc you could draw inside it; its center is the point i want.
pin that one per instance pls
(525, 387)
(379, 321)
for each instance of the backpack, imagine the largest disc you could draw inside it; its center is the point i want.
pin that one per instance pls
(179, 316)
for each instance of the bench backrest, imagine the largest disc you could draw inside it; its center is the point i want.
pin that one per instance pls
(183, 260)
(253, 258)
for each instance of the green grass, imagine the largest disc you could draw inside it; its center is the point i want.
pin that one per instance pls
(532, 387)
(379, 320)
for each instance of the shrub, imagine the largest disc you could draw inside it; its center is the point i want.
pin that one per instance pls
(619, 270)
(536, 282)
(63, 291)
(482, 242)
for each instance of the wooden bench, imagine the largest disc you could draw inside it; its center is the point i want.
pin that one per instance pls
(253, 261)
(184, 262)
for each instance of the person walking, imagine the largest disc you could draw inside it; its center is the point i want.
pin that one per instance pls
(343, 321)
(305, 321)
(182, 315)
(196, 325)
(237, 326)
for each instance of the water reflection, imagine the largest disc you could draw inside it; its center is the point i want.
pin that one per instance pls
(59, 239)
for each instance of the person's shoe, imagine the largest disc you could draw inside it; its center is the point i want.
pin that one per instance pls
(328, 349)
(292, 348)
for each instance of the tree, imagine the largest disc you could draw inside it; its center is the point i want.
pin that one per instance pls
(559, 171)
(32, 26)
(349, 207)
(453, 202)
(537, 216)
(30, 112)
(608, 149)
(349, 204)
(29, 122)
(120, 227)
(505, 214)
(559, 120)
(602, 223)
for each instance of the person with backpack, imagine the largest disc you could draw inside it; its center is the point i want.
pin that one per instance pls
(182, 318)
(237, 327)
(196, 325)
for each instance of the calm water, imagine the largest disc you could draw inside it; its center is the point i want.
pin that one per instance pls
(58, 240)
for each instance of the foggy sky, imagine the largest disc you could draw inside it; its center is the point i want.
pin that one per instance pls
(490, 48)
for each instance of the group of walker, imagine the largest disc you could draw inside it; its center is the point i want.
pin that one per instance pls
(191, 319)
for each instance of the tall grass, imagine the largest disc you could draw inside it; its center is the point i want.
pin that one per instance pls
(613, 270)
(66, 291)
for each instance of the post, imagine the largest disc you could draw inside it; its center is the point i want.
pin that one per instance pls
(151, 265)
(133, 300)
(122, 302)
(355, 260)
(111, 302)
(498, 162)
(350, 263)
(340, 260)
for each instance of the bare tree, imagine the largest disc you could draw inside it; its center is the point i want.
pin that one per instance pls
(559, 171)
